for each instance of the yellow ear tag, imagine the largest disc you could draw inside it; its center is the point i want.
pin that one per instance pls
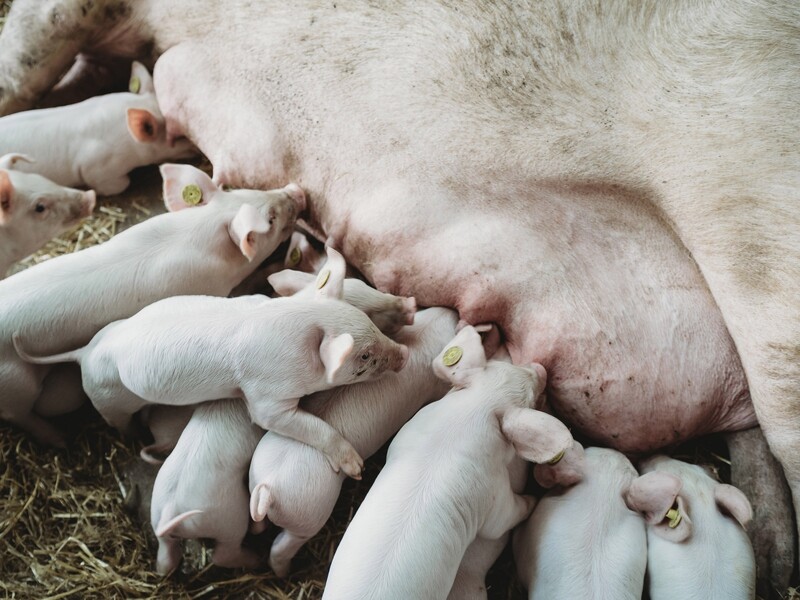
(555, 460)
(295, 256)
(192, 194)
(674, 516)
(323, 279)
(452, 355)
(134, 85)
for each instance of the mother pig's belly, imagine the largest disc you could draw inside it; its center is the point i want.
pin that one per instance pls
(591, 285)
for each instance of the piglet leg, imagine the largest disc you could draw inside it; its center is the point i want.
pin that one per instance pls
(285, 546)
(299, 425)
(231, 555)
(756, 472)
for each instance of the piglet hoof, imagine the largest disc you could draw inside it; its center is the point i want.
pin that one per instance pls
(345, 458)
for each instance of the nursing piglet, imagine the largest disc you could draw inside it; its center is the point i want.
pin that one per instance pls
(97, 142)
(697, 547)
(200, 491)
(293, 486)
(166, 424)
(390, 313)
(583, 541)
(62, 303)
(271, 352)
(446, 480)
(33, 210)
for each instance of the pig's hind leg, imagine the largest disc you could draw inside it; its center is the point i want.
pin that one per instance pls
(21, 388)
(283, 550)
(295, 423)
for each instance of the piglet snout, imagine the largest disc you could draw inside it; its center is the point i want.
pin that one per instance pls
(296, 193)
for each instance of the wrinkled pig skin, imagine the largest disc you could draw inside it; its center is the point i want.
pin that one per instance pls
(583, 541)
(615, 185)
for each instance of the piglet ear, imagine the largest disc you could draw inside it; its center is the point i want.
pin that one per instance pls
(461, 358)
(334, 351)
(732, 501)
(655, 496)
(8, 161)
(143, 125)
(6, 197)
(536, 436)
(563, 470)
(245, 227)
(185, 186)
(330, 279)
(141, 82)
(288, 282)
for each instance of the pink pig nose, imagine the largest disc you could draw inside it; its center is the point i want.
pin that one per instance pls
(89, 202)
(297, 194)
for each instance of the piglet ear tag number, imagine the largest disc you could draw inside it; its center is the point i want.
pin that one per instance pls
(192, 194)
(452, 355)
(323, 279)
(134, 85)
(295, 256)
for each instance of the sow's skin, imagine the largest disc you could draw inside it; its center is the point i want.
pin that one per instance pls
(583, 541)
(291, 483)
(200, 491)
(615, 186)
(446, 480)
(62, 303)
(96, 142)
(33, 210)
(697, 547)
(271, 352)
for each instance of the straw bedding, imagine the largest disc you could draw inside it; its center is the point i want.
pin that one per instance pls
(70, 523)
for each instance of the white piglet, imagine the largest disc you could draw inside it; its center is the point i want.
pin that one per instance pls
(271, 352)
(293, 486)
(200, 490)
(446, 480)
(62, 303)
(697, 545)
(583, 541)
(33, 210)
(97, 142)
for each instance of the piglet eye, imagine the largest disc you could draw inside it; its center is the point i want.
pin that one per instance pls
(365, 356)
(40, 208)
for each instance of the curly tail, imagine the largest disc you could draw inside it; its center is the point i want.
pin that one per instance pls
(71, 356)
(164, 528)
(260, 502)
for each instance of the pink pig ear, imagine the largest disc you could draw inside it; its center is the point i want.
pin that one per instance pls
(732, 501)
(333, 351)
(288, 282)
(143, 125)
(461, 358)
(536, 436)
(655, 496)
(244, 229)
(6, 197)
(330, 279)
(186, 186)
(141, 81)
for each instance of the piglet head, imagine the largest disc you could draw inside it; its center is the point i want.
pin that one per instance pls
(461, 358)
(34, 209)
(362, 354)
(260, 220)
(301, 255)
(657, 497)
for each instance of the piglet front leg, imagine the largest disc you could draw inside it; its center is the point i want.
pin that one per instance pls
(291, 421)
